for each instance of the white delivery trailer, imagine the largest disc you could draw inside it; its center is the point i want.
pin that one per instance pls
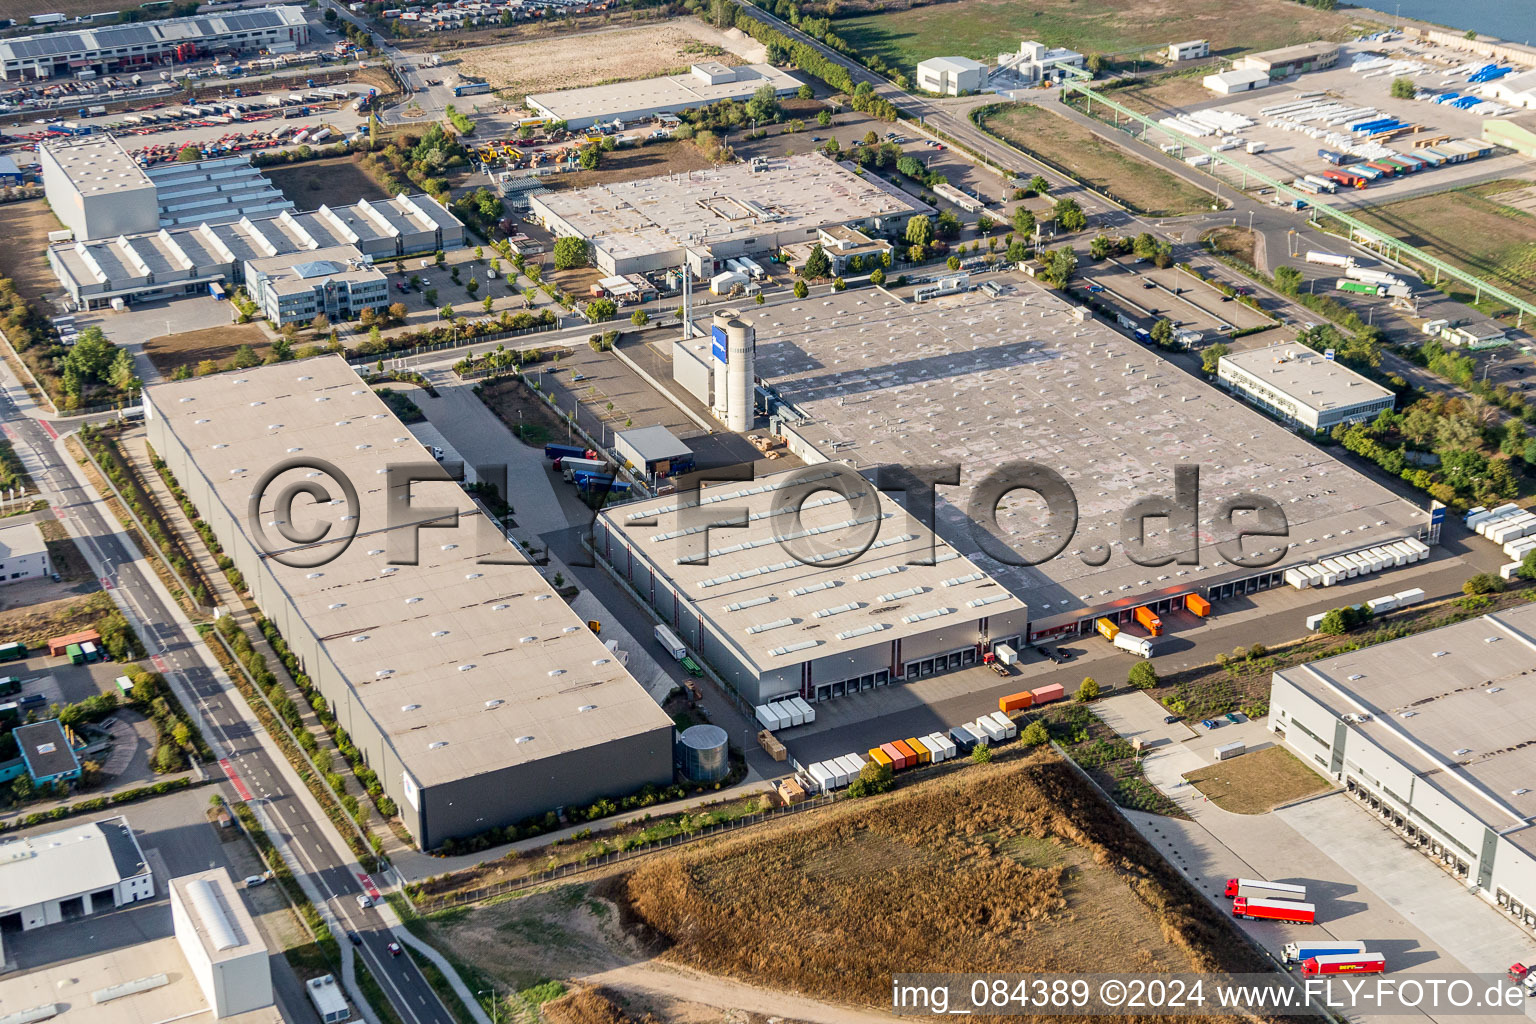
(570, 466)
(1370, 276)
(767, 717)
(1255, 146)
(821, 777)
(1408, 597)
(1383, 559)
(986, 730)
(839, 772)
(1005, 654)
(790, 713)
(1009, 726)
(1518, 548)
(669, 640)
(1329, 576)
(806, 712)
(942, 746)
(1316, 574)
(1232, 749)
(1487, 526)
(1419, 547)
(1140, 646)
(1329, 259)
(1484, 514)
(1512, 528)
(1509, 570)
(1366, 563)
(752, 267)
(1295, 578)
(1409, 555)
(1293, 951)
(1252, 889)
(1377, 605)
(852, 764)
(1314, 621)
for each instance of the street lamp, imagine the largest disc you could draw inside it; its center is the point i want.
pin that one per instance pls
(492, 994)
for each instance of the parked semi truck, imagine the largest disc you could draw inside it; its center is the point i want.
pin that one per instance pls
(1274, 910)
(1344, 284)
(1296, 952)
(1329, 259)
(1249, 888)
(1131, 644)
(669, 640)
(1149, 620)
(1345, 963)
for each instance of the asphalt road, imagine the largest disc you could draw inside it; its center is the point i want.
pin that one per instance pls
(171, 641)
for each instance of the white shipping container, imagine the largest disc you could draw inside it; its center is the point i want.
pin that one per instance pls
(1009, 727)
(839, 772)
(1384, 560)
(1297, 579)
(985, 730)
(1418, 546)
(1397, 554)
(943, 748)
(1515, 528)
(851, 763)
(1518, 548)
(787, 711)
(1367, 564)
(1409, 555)
(822, 776)
(807, 713)
(767, 717)
(1228, 750)
(1487, 526)
(1407, 597)
(1314, 621)
(1329, 573)
(1489, 513)
(1507, 572)
(1377, 605)
(1314, 574)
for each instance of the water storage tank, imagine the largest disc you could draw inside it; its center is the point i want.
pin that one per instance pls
(735, 339)
(701, 753)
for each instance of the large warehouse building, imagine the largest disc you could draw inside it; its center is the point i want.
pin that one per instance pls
(99, 190)
(120, 48)
(76, 871)
(962, 379)
(821, 599)
(703, 84)
(1303, 387)
(706, 217)
(1440, 752)
(220, 941)
(474, 691)
(173, 262)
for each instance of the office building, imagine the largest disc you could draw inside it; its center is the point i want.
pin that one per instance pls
(951, 76)
(23, 553)
(47, 751)
(1303, 387)
(1191, 50)
(125, 48)
(706, 217)
(338, 282)
(647, 98)
(473, 690)
(1036, 62)
(71, 873)
(1290, 60)
(1440, 754)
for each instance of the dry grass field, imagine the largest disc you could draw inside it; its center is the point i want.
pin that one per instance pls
(1143, 186)
(568, 62)
(26, 224)
(338, 182)
(1257, 782)
(217, 343)
(1015, 866)
(649, 161)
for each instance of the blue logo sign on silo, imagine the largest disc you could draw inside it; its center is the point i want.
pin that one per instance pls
(718, 345)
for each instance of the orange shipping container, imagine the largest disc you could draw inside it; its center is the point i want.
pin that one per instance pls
(908, 754)
(1148, 618)
(879, 756)
(59, 644)
(924, 755)
(1197, 604)
(1015, 701)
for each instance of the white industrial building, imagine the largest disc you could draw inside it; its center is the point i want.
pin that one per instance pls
(1191, 50)
(1036, 62)
(220, 941)
(169, 263)
(339, 282)
(1226, 83)
(951, 76)
(1518, 90)
(1302, 386)
(477, 695)
(705, 83)
(1291, 60)
(821, 590)
(1432, 733)
(68, 874)
(125, 48)
(703, 218)
(717, 368)
(98, 190)
(958, 380)
(23, 553)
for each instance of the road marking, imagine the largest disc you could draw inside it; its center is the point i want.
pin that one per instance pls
(159, 663)
(106, 584)
(240, 790)
(49, 428)
(368, 886)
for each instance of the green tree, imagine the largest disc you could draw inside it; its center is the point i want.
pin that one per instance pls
(245, 357)
(1069, 215)
(1527, 570)
(1403, 88)
(589, 157)
(487, 304)
(1060, 264)
(1023, 221)
(1162, 332)
(431, 296)
(571, 251)
(1335, 623)
(1288, 279)
(953, 263)
(601, 309)
(1099, 247)
(817, 265)
(824, 118)
(874, 777)
(187, 154)
(805, 93)
(764, 104)
(1144, 245)
(1482, 583)
(801, 291)
(981, 754)
(446, 312)
(1018, 252)
(919, 230)
(639, 318)
(985, 224)
(1210, 359)
(948, 225)
(838, 284)
(1034, 734)
(1039, 186)
(121, 375)
(1142, 675)
(877, 278)
(1087, 691)
(473, 286)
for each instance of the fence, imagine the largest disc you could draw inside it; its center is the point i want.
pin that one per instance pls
(429, 904)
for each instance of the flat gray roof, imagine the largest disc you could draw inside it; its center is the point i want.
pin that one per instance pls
(654, 443)
(96, 163)
(467, 667)
(844, 578)
(1457, 705)
(977, 380)
(46, 749)
(1307, 377)
(223, 925)
(675, 92)
(782, 194)
(56, 865)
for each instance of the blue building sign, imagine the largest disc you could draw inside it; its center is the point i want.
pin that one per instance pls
(718, 345)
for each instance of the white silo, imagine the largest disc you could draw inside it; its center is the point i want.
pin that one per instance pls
(719, 348)
(740, 370)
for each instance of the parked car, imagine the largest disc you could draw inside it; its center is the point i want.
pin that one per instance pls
(1170, 719)
(252, 881)
(354, 938)
(1149, 284)
(1234, 719)
(363, 902)
(1208, 723)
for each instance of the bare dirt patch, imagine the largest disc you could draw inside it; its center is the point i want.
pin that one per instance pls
(25, 226)
(569, 62)
(650, 161)
(215, 343)
(1235, 242)
(33, 624)
(338, 182)
(1257, 782)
